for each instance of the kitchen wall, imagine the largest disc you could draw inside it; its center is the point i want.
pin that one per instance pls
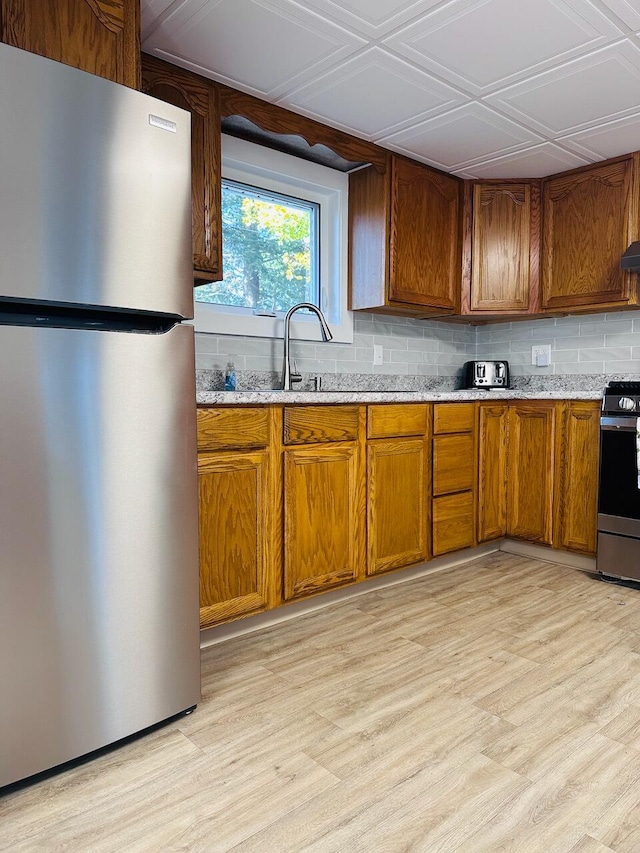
(428, 348)
(436, 350)
(589, 344)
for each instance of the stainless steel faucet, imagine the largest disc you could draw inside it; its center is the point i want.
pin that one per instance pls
(287, 376)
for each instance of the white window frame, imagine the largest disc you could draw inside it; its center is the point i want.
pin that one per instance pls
(262, 167)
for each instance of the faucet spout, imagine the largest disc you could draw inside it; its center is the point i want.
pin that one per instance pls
(287, 376)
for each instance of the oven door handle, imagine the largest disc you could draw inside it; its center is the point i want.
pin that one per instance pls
(624, 424)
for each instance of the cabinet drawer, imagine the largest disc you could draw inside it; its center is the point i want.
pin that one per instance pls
(453, 417)
(227, 429)
(317, 424)
(452, 523)
(392, 421)
(453, 463)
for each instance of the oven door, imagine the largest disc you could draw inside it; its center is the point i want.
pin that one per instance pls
(619, 495)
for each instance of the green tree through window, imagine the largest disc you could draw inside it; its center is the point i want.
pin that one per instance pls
(270, 250)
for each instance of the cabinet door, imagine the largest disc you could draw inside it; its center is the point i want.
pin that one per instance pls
(531, 471)
(588, 223)
(492, 471)
(397, 498)
(100, 36)
(577, 471)
(425, 236)
(234, 534)
(504, 247)
(199, 97)
(324, 518)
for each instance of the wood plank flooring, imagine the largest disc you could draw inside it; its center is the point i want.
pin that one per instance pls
(491, 708)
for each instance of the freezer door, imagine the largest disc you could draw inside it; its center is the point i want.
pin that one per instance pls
(99, 631)
(95, 191)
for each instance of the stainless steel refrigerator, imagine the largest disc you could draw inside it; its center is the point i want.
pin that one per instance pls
(98, 498)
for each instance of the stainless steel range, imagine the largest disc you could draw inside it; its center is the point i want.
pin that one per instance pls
(619, 489)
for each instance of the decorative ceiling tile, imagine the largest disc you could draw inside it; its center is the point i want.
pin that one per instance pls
(150, 10)
(462, 135)
(481, 44)
(262, 46)
(537, 162)
(627, 10)
(610, 140)
(372, 17)
(373, 93)
(602, 85)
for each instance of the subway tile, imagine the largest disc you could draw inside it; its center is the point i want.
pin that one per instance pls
(425, 369)
(363, 340)
(389, 368)
(606, 354)
(308, 365)
(299, 350)
(206, 343)
(581, 367)
(622, 366)
(345, 352)
(407, 331)
(256, 362)
(390, 343)
(422, 344)
(510, 334)
(380, 328)
(565, 355)
(406, 356)
(603, 327)
(622, 340)
(576, 342)
(364, 354)
(353, 367)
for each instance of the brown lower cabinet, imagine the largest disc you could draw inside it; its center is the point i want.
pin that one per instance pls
(397, 486)
(531, 470)
(304, 499)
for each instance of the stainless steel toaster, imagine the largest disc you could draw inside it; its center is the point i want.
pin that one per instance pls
(486, 374)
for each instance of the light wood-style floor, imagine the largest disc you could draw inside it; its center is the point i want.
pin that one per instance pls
(491, 708)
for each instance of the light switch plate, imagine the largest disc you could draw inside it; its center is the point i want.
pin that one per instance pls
(378, 354)
(541, 355)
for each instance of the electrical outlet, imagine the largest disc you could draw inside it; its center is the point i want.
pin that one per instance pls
(378, 354)
(541, 355)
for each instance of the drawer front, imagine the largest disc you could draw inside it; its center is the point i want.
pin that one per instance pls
(318, 424)
(453, 523)
(392, 421)
(453, 417)
(453, 463)
(228, 429)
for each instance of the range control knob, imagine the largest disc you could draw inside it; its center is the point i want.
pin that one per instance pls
(626, 403)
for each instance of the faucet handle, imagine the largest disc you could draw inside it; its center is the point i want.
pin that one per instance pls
(295, 376)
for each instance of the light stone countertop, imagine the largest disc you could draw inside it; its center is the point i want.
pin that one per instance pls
(319, 398)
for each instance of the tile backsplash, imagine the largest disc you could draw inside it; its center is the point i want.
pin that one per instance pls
(580, 345)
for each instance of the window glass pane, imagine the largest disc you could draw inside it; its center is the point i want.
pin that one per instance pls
(270, 251)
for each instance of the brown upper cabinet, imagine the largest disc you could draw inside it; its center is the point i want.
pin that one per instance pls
(404, 239)
(590, 216)
(100, 36)
(199, 97)
(501, 248)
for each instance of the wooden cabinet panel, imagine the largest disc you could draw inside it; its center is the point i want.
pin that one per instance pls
(454, 467)
(453, 523)
(226, 429)
(501, 248)
(324, 518)
(317, 424)
(397, 504)
(368, 245)
(199, 97)
(531, 470)
(589, 220)
(577, 467)
(453, 417)
(397, 420)
(234, 535)
(492, 470)
(425, 238)
(99, 36)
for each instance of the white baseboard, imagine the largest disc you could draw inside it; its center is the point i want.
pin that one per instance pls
(540, 552)
(221, 633)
